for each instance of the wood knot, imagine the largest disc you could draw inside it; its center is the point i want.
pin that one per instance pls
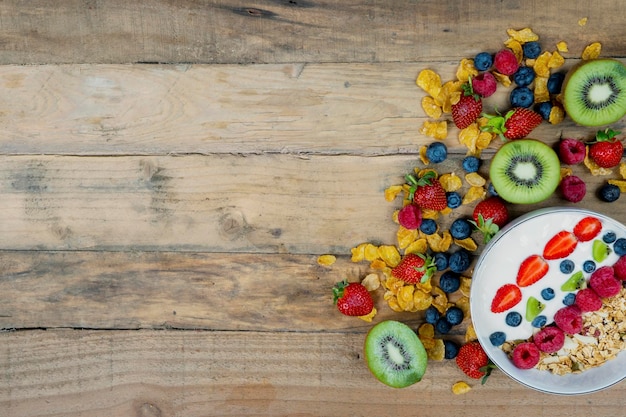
(148, 410)
(233, 225)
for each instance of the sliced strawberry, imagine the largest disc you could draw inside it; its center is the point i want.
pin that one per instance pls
(587, 228)
(560, 246)
(506, 297)
(531, 270)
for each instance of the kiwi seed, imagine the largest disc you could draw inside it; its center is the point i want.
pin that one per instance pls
(525, 171)
(594, 92)
(394, 354)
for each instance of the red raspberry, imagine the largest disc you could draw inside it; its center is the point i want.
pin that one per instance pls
(572, 151)
(505, 62)
(549, 339)
(573, 188)
(619, 268)
(604, 283)
(588, 300)
(569, 319)
(484, 84)
(525, 355)
(410, 217)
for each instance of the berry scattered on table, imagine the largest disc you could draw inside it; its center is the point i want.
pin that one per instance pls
(606, 150)
(531, 49)
(484, 84)
(467, 109)
(505, 62)
(483, 61)
(609, 193)
(449, 282)
(454, 315)
(461, 229)
(489, 216)
(352, 299)
(459, 261)
(451, 349)
(473, 360)
(555, 82)
(437, 152)
(572, 151)
(517, 123)
(522, 97)
(410, 216)
(428, 226)
(427, 192)
(471, 163)
(573, 188)
(544, 109)
(524, 76)
(453, 199)
(414, 268)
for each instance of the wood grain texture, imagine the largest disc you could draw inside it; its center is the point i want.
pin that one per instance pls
(271, 31)
(357, 109)
(183, 373)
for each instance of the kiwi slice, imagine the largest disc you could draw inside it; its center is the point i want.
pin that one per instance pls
(394, 354)
(525, 171)
(575, 282)
(600, 250)
(594, 92)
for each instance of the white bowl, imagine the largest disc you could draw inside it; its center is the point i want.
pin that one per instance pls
(498, 264)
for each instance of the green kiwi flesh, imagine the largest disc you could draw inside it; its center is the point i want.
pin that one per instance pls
(525, 171)
(594, 92)
(394, 354)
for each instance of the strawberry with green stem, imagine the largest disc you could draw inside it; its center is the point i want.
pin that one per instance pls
(468, 108)
(415, 268)
(474, 362)
(352, 299)
(517, 123)
(427, 191)
(606, 151)
(489, 216)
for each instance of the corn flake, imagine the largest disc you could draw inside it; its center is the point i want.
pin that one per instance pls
(358, 253)
(469, 137)
(368, 318)
(431, 108)
(466, 284)
(484, 139)
(436, 130)
(378, 264)
(473, 194)
(566, 172)
(405, 297)
(541, 64)
(622, 170)
(582, 22)
(426, 331)
(556, 60)
(620, 183)
(460, 388)
(562, 46)
(439, 243)
(406, 236)
(523, 35)
(466, 70)
(475, 179)
(417, 246)
(467, 243)
(464, 304)
(429, 81)
(421, 300)
(451, 182)
(437, 352)
(423, 156)
(516, 47)
(591, 51)
(557, 115)
(389, 254)
(326, 260)
(450, 94)
(370, 252)
(392, 192)
(541, 90)
(470, 333)
(430, 214)
(505, 80)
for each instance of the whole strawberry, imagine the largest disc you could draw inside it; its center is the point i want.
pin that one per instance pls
(473, 361)
(468, 108)
(517, 123)
(427, 191)
(414, 268)
(352, 299)
(489, 216)
(606, 151)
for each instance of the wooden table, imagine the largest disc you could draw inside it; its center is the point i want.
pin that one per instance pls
(170, 172)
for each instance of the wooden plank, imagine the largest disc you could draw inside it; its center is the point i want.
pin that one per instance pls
(218, 203)
(360, 109)
(157, 373)
(270, 31)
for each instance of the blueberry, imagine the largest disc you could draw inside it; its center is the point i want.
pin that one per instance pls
(449, 282)
(609, 193)
(539, 321)
(471, 163)
(555, 82)
(547, 294)
(428, 226)
(492, 190)
(483, 61)
(461, 229)
(454, 315)
(544, 108)
(454, 199)
(619, 247)
(569, 299)
(589, 266)
(566, 266)
(436, 152)
(459, 261)
(443, 326)
(609, 237)
(531, 49)
(513, 319)
(451, 349)
(522, 97)
(497, 338)
(431, 315)
(524, 76)
(441, 260)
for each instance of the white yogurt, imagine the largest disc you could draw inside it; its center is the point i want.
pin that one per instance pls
(501, 259)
